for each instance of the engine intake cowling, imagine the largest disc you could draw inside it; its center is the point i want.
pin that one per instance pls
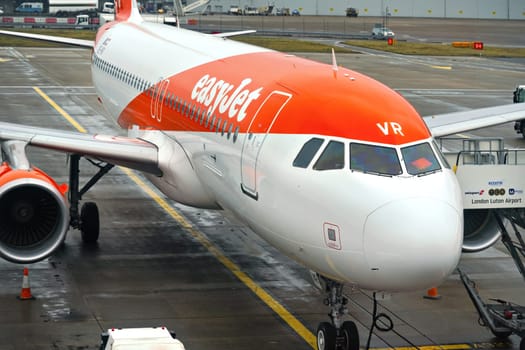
(481, 230)
(34, 216)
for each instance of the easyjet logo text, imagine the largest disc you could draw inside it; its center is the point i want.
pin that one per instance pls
(216, 94)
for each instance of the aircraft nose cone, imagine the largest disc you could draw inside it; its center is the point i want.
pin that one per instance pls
(412, 243)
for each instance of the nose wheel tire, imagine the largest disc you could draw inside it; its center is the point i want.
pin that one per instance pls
(349, 335)
(328, 339)
(326, 336)
(89, 222)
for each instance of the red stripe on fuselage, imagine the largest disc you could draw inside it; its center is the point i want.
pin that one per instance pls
(341, 104)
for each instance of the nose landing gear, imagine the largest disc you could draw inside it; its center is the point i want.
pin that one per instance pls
(336, 335)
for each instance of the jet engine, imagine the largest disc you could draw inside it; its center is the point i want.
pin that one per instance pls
(481, 230)
(34, 215)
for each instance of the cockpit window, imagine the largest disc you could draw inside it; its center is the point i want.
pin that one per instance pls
(374, 159)
(420, 159)
(441, 156)
(333, 157)
(307, 152)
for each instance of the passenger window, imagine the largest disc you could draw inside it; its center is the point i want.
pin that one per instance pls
(236, 134)
(420, 159)
(224, 127)
(195, 114)
(203, 114)
(212, 125)
(230, 131)
(333, 157)
(374, 159)
(307, 153)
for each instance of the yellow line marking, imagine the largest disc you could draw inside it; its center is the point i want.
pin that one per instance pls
(293, 322)
(273, 304)
(60, 110)
(442, 67)
(432, 347)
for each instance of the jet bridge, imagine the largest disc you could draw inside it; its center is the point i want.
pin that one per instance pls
(493, 178)
(490, 176)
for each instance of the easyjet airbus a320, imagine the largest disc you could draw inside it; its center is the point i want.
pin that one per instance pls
(304, 153)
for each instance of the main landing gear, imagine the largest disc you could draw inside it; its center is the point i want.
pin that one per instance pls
(336, 335)
(87, 221)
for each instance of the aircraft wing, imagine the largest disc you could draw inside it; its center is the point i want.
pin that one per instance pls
(126, 151)
(50, 38)
(456, 122)
(230, 34)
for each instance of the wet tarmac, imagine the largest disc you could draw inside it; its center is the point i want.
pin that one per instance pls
(434, 30)
(185, 271)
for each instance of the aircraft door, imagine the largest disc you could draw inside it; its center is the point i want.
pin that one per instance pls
(157, 100)
(255, 136)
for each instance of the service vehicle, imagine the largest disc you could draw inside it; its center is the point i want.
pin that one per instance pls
(251, 11)
(382, 33)
(283, 11)
(140, 338)
(266, 10)
(71, 8)
(234, 10)
(30, 7)
(170, 20)
(108, 7)
(351, 12)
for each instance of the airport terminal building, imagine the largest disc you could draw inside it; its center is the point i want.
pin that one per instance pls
(486, 9)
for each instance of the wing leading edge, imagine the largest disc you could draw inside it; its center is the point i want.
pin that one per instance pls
(456, 122)
(133, 153)
(50, 38)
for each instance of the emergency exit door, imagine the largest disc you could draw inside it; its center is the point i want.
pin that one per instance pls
(157, 100)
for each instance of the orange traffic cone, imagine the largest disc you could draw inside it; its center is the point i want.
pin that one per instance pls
(432, 294)
(25, 294)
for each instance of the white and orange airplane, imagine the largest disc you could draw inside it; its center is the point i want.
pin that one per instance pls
(334, 169)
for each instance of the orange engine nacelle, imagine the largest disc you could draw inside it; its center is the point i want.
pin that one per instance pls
(34, 216)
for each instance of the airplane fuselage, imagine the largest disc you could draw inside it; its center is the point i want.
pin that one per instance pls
(333, 168)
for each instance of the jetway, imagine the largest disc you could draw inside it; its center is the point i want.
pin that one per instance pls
(195, 5)
(493, 178)
(181, 10)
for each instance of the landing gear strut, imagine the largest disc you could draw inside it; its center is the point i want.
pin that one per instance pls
(87, 221)
(336, 335)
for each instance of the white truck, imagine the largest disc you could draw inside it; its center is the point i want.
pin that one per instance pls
(108, 7)
(235, 10)
(65, 7)
(30, 7)
(140, 339)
